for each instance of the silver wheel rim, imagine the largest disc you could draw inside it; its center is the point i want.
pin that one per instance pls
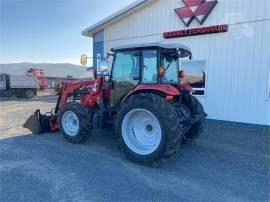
(141, 131)
(70, 123)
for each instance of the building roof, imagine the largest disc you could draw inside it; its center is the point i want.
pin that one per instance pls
(137, 5)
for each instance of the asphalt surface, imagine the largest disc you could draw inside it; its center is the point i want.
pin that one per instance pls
(229, 162)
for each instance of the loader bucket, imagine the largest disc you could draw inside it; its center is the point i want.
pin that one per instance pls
(37, 123)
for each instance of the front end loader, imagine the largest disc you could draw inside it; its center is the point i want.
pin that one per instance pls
(141, 100)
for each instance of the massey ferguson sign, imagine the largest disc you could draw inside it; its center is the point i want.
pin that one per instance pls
(196, 31)
(200, 10)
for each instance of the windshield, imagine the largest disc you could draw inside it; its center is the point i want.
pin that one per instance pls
(170, 65)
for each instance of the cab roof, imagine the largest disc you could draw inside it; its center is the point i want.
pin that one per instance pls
(154, 45)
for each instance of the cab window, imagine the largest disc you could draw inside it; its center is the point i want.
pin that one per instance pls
(149, 74)
(170, 65)
(126, 66)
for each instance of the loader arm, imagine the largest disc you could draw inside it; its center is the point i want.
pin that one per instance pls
(66, 91)
(91, 87)
(40, 123)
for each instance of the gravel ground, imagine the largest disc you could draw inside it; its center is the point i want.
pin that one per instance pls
(229, 162)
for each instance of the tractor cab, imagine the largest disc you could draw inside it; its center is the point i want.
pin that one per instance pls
(144, 64)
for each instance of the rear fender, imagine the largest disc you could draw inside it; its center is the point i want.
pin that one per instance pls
(164, 89)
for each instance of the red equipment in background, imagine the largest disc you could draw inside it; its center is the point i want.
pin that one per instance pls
(40, 75)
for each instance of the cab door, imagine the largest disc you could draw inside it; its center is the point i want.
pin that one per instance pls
(125, 75)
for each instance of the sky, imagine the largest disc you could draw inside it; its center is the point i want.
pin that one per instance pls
(49, 31)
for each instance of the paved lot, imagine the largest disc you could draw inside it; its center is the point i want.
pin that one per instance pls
(229, 162)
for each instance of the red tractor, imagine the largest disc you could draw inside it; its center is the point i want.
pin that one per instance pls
(141, 99)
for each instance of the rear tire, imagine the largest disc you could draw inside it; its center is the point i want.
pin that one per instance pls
(163, 129)
(75, 122)
(198, 115)
(18, 93)
(29, 93)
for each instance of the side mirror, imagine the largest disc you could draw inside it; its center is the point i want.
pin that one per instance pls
(84, 59)
(103, 69)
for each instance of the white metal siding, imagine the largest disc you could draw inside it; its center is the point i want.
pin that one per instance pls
(238, 61)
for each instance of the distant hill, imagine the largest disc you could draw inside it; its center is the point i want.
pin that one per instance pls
(51, 69)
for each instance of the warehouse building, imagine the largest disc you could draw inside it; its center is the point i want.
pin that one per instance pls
(230, 42)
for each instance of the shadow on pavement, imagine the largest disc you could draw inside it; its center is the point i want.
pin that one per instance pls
(228, 162)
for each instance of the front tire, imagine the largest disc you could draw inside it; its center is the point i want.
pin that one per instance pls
(147, 129)
(75, 122)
